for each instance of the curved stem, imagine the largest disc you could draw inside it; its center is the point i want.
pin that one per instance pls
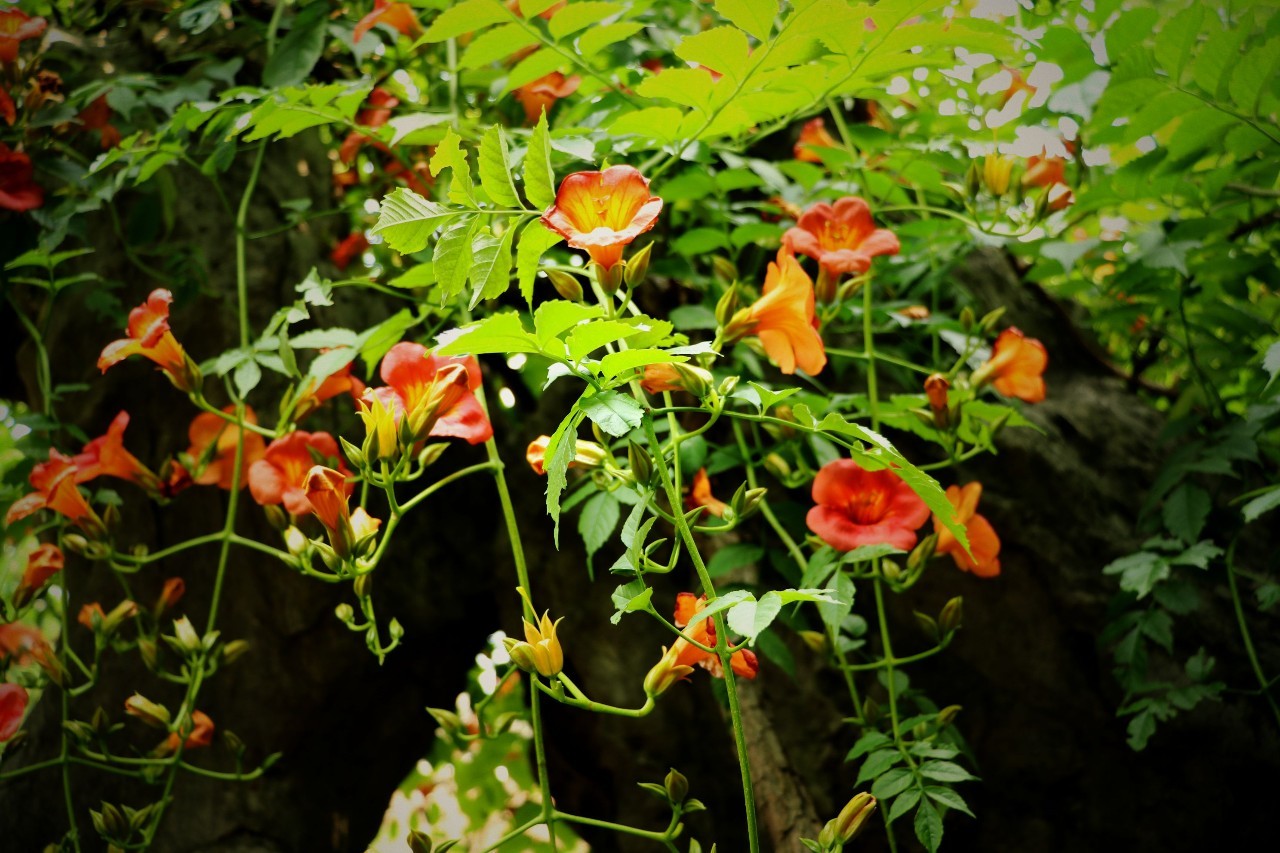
(1245, 636)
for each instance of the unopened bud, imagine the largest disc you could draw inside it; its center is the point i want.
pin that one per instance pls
(677, 786)
(727, 306)
(824, 288)
(641, 463)
(233, 742)
(447, 720)
(185, 633)
(664, 674)
(996, 170)
(521, 654)
(363, 585)
(432, 453)
(751, 500)
(973, 180)
(727, 385)
(75, 543)
(890, 570)
(111, 516)
(276, 517)
(952, 615)
(610, 278)
(926, 624)
(776, 465)
(854, 816)
(870, 711)
(948, 715)
(148, 651)
(989, 320)
(936, 388)
(355, 455)
(815, 640)
(154, 715)
(966, 318)
(234, 650)
(170, 594)
(296, 541)
(638, 267)
(922, 552)
(566, 284)
(345, 613)
(724, 269)
(419, 842)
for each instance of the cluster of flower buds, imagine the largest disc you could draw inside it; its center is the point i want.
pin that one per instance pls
(351, 534)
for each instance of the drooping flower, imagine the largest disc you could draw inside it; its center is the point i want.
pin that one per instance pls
(399, 16)
(106, 456)
(842, 237)
(15, 27)
(22, 644)
(149, 336)
(857, 507)
(280, 476)
(983, 542)
(97, 116)
(43, 562)
(18, 190)
(200, 735)
(783, 318)
(813, 135)
(351, 247)
(13, 704)
(55, 488)
(586, 454)
(213, 448)
(700, 495)
(603, 211)
(684, 653)
(327, 491)
(541, 94)
(432, 395)
(1016, 367)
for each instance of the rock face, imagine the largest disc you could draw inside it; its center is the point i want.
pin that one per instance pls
(1037, 692)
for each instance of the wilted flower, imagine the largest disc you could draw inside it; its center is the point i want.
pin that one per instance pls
(13, 705)
(542, 93)
(432, 395)
(1016, 367)
(983, 541)
(857, 507)
(813, 135)
(18, 190)
(603, 211)
(280, 476)
(149, 336)
(842, 237)
(783, 318)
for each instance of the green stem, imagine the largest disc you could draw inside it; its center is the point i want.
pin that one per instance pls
(590, 705)
(722, 630)
(1249, 649)
(888, 359)
(869, 353)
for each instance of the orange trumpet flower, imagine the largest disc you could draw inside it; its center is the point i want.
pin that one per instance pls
(743, 662)
(813, 135)
(983, 542)
(149, 336)
(432, 395)
(1016, 367)
(280, 476)
(842, 238)
(857, 507)
(55, 489)
(16, 27)
(213, 448)
(783, 319)
(603, 211)
(542, 94)
(106, 456)
(700, 495)
(399, 16)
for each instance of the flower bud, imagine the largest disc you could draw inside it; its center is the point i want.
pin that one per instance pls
(996, 170)
(665, 673)
(380, 438)
(948, 715)
(824, 288)
(638, 267)
(156, 716)
(610, 278)
(815, 640)
(543, 646)
(776, 465)
(566, 284)
(854, 816)
(922, 552)
(727, 386)
(296, 541)
(75, 543)
(276, 517)
(419, 842)
(936, 388)
(431, 453)
(727, 305)
(724, 269)
(185, 633)
(170, 594)
(966, 318)
(677, 786)
(521, 654)
(363, 585)
(890, 570)
(870, 711)
(355, 455)
(641, 463)
(148, 651)
(345, 613)
(234, 650)
(447, 720)
(952, 615)
(751, 499)
(927, 625)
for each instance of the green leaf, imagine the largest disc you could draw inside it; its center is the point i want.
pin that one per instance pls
(385, 335)
(597, 39)
(1271, 361)
(1176, 39)
(535, 240)
(495, 170)
(491, 266)
(324, 339)
(539, 179)
(497, 43)
(614, 413)
(300, 50)
(867, 743)
(834, 614)
(752, 617)
(407, 220)
(660, 123)
(453, 255)
(1140, 572)
(904, 803)
(690, 87)
(1264, 502)
(247, 376)
(929, 826)
(554, 317)
(589, 337)
(723, 602)
(597, 521)
(754, 16)
(948, 798)
(723, 49)
(450, 155)
(1185, 512)
(616, 363)
(560, 452)
(630, 597)
(465, 17)
(537, 64)
(1253, 73)
(877, 763)
(577, 16)
(945, 771)
(1198, 555)
(892, 783)
(499, 333)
